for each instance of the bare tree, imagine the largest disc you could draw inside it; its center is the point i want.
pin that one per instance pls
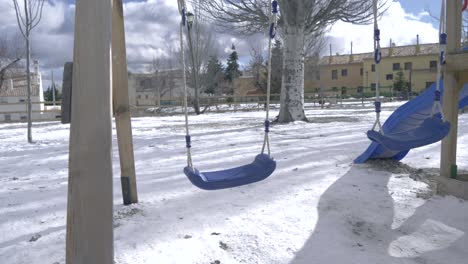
(464, 25)
(10, 55)
(164, 75)
(201, 45)
(257, 64)
(298, 19)
(28, 16)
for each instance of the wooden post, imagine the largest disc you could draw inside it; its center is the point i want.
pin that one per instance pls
(66, 93)
(122, 107)
(90, 200)
(448, 159)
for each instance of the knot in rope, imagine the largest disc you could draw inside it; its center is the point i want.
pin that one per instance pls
(377, 35)
(377, 56)
(437, 96)
(272, 30)
(188, 141)
(274, 11)
(274, 4)
(442, 58)
(184, 17)
(267, 126)
(443, 39)
(378, 106)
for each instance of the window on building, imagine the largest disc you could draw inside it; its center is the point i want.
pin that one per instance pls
(344, 72)
(139, 96)
(372, 86)
(361, 71)
(433, 65)
(334, 74)
(22, 100)
(7, 117)
(428, 84)
(343, 90)
(408, 65)
(389, 77)
(396, 66)
(23, 118)
(335, 89)
(146, 96)
(360, 89)
(373, 68)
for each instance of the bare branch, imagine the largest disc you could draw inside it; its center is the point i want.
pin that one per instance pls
(38, 16)
(19, 18)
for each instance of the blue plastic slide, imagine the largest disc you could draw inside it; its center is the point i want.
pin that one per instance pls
(409, 116)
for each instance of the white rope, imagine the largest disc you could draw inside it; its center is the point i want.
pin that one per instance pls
(266, 140)
(182, 9)
(377, 71)
(437, 106)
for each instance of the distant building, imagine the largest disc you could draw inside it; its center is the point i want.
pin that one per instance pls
(14, 95)
(353, 71)
(152, 88)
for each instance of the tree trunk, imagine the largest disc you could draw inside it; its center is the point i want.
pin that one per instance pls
(28, 69)
(292, 90)
(196, 105)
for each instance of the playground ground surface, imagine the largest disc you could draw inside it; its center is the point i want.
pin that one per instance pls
(316, 208)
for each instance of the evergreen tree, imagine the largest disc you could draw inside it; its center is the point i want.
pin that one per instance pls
(232, 70)
(400, 84)
(276, 67)
(213, 75)
(48, 96)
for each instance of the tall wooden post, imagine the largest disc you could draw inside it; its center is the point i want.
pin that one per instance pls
(448, 159)
(90, 199)
(122, 106)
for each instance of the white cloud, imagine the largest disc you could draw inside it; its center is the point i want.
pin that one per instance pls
(152, 29)
(395, 24)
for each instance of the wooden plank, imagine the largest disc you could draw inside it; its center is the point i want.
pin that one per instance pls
(457, 61)
(448, 156)
(25, 112)
(33, 103)
(122, 106)
(90, 200)
(67, 92)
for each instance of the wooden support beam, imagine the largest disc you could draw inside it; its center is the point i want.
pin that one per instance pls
(122, 106)
(457, 62)
(90, 199)
(448, 159)
(66, 93)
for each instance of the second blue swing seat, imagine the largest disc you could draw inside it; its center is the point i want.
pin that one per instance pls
(431, 130)
(262, 167)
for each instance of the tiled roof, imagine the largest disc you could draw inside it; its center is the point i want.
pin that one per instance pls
(20, 87)
(401, 51)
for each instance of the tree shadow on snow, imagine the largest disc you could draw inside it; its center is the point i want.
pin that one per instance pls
(355, 225)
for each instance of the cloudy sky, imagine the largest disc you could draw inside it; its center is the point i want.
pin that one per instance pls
(152, 30)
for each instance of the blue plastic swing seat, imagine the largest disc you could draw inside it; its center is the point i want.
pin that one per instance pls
(262, 167)
(431, 130)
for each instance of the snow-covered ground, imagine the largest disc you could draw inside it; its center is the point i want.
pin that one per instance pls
(316, 208)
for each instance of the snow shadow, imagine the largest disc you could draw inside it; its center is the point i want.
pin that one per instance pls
(356, 214)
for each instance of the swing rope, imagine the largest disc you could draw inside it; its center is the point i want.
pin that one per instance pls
(188, 141)
(377, 59)
(437, 106)
(272, 33)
